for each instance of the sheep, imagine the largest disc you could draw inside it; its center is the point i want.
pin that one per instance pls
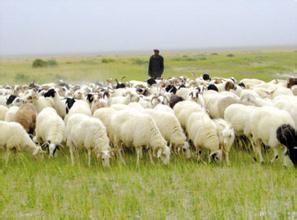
(104, 114)
(79, 106)
(14, 137)
(57, 102)
(83, 131)
(10, 113)
(171, 130)
(266, 121)
(39, 102)
(226, 137)
(26, 116)
(216, 103)
(286, 135)
(132, 128)
(183, 110)
(202, 132)
(3, 110)
(287, 103)
(50, 129)
(165, 108)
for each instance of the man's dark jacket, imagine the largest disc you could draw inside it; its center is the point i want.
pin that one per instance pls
(156, 66)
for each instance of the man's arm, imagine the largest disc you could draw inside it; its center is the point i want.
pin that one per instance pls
(150, 67)
(162, 65)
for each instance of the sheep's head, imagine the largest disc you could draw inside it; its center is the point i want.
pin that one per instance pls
(186, 150)
(164, 154)
(105, 158)
(50, 93)
(229, 136)
(37, 150)
(216, 155)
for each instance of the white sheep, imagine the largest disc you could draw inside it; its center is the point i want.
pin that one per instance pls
(87, 132)
(171, 130)
(184, 109)
(132, 128)
(202, 131)
(264, 123)
(50, 129)
(226, 137)
(58, 104)
(79, 106)
(14, 137)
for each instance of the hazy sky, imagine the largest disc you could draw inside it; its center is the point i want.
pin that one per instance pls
(82, 26)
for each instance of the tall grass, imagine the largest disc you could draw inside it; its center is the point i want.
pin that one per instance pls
(52, 188)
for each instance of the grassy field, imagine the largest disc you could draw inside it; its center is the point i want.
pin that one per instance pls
(262, 64)
(53, 189)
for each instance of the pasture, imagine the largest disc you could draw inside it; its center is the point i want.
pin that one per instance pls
(52, 188)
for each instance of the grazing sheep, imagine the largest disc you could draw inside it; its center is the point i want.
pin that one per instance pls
(226, 137)
(171, 130)
(264, 123)
(26, 116)
(14, 137)
(87, 132)
(50, 129)
(286, 135)
(132, 128)
(184, 109)
(202, 131)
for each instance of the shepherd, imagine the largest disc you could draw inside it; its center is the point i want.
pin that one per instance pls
(156, 65)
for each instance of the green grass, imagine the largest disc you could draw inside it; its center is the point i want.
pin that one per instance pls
(185, 189)
(262, 64)
(53, 189)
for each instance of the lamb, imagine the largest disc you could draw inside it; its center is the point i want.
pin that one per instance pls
(202, 132)
(57, 102)
(226, 137)
(26, 116)
(87, 132)
(14, 137)
(171, 130)
(132, 128)
(266, 121)
(50, 129)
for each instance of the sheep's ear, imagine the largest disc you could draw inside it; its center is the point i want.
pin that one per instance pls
(159, 152)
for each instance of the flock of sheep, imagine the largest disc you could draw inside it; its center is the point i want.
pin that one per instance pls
(158, 117)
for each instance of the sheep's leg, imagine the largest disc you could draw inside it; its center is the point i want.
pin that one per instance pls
(71, 152)
(258, 151)
(121, 156)
(275, 154)
(226, 154)
(89, 157)
(138, 156)
(286, 157)
(7, 156)
(151, 157)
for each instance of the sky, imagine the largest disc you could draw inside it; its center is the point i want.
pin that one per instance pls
(29, 27)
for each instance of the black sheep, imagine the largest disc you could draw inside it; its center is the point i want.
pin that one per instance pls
(286, 135)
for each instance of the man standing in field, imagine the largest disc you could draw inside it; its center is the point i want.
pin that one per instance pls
(156, 65)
